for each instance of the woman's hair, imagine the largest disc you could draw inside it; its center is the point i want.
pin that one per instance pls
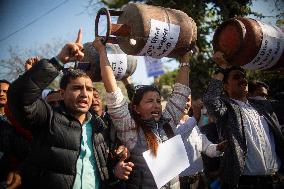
(150, 137)
(139, 92)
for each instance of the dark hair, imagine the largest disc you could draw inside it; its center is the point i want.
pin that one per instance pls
(261, 84)
(71, 74)
(150, 137)
(229, 70)
(140, 90)
(255, 84)
(5, 81)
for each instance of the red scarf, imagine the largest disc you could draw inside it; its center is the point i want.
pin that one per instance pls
(24, 132)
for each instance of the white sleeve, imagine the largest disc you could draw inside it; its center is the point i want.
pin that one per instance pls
(209, 148)
(187, 126)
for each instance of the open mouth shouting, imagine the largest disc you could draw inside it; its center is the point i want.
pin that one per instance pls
(156, 115)
(83, 103)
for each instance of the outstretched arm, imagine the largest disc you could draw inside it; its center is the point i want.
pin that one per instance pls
(177, 102)
(129, 87)
(72, 51)
(212, 96)
(117, 104)
(183, 73)
(218, 57)
(24, 94)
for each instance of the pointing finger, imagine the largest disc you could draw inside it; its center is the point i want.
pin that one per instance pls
(79, 37)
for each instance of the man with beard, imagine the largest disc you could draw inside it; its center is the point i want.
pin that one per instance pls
(254, 157)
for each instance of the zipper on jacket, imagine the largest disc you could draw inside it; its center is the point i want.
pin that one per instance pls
(78, 155)
(159, 135)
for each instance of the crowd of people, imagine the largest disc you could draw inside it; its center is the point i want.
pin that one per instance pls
(67, 138)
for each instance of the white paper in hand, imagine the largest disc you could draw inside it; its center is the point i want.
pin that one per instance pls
(171, 160)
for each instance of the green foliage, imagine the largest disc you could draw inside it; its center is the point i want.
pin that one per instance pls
(167, 78)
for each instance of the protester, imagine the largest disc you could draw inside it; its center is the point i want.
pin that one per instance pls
(254, 157)
(97, 104)
(211, 165)
(70, 146)
(279, 100)
(195, 143)
(146, 126)
(97, 108)
(14, 146)
(258, 91)
(130, 88)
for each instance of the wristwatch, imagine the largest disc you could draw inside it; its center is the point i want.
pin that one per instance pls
(220, 70)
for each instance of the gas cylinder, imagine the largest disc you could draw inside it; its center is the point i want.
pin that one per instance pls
(148, 30)
(122, 65)
(250, 43)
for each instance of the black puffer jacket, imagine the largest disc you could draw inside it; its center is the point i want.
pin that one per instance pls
(56, 134)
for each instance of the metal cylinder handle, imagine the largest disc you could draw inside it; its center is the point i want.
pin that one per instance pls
(103, 11)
